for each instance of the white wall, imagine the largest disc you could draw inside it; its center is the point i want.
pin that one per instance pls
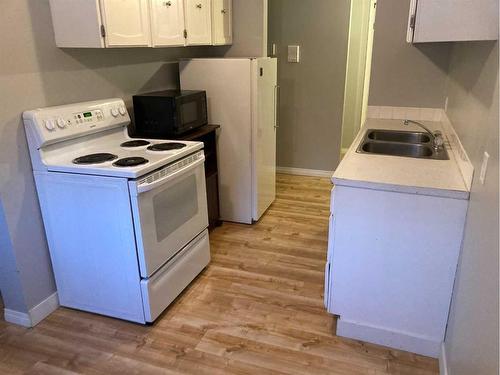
(472, 335)
(355, 70)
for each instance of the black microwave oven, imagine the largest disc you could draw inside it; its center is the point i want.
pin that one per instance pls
(169, 113)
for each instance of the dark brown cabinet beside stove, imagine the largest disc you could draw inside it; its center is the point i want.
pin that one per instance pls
(208, 135)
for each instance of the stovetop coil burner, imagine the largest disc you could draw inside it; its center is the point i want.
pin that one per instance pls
(95, 158)
(169, 146)
(135, 143)
(132, 161)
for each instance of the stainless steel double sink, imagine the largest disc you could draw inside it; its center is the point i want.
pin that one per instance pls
(400, 143)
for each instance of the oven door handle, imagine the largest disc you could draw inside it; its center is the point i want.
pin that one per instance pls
(152, 185)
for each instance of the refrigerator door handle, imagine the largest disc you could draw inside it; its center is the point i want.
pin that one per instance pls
(276, 106)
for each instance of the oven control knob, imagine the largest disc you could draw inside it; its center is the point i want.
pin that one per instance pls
(114, 112)
(122, 110)
(49, 124)
(61, 123)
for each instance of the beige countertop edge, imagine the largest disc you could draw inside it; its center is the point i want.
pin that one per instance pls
(417, 190)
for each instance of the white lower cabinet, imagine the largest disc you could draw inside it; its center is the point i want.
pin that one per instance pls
(391, 266)
(326, 296)
(329, 255)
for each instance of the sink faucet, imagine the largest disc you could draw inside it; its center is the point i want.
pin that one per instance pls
(437, 136)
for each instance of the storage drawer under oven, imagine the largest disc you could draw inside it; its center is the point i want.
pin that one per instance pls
(165, 285)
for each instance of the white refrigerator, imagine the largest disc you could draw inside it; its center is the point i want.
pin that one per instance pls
(242, 96)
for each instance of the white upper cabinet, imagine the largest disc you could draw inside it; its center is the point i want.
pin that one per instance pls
(126, 23)
(198, 22)
(452, 20)
(77, 23)
(141, 23)
(222, 22)
(167, 23)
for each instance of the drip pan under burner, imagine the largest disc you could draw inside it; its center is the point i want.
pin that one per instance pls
(169, 146)
(135, 143)
(132, 161)
(95, 158)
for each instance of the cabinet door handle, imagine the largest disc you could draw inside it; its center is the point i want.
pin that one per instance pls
(167, 3)
(276, 106)
(198, 6)
(223, 11)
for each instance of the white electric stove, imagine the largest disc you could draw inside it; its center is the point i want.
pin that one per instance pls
(126, 219)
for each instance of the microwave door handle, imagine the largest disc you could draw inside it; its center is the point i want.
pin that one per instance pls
(148, 187)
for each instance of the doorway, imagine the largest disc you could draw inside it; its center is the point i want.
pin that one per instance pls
(358, 69)
(312, 80)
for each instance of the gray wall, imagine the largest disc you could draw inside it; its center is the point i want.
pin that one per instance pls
(10, 283)
(249, 29)
(405, 75)
(472, 334)
(312, 92)
(34, 73)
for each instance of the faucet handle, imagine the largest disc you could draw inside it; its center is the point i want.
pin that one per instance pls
(438, 139)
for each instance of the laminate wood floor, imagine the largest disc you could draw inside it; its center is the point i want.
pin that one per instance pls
(257, 309)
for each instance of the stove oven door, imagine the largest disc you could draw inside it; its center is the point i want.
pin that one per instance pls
(169, 209)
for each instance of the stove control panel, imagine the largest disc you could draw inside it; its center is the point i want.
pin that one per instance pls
(54, 124)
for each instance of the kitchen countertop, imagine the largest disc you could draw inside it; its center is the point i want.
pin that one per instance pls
(401, 174)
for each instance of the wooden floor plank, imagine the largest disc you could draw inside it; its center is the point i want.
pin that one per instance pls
(256, 309)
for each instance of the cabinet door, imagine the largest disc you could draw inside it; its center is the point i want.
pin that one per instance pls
(222, 22)
(126, 23)
(326, 289)
(167, 23)
(198, 18)
(265, 103)
(452, 20)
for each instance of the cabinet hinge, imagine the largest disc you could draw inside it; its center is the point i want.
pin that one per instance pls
(412, 21)
(185, 34)
(103, 31)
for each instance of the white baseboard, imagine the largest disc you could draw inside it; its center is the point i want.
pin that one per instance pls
(44, 309)
(17, 317)
(35, 315)
(304, 172)
(392, 339)
(443, 362)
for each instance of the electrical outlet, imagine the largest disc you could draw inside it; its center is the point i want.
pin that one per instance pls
(484, 168)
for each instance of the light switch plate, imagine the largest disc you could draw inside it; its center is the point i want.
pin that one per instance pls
(294, 54)
(484, 168)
